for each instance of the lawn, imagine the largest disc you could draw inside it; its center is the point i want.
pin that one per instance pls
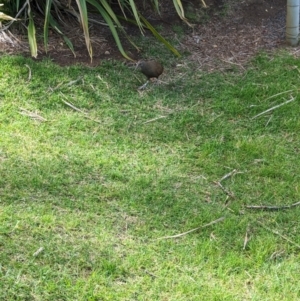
(98, 181)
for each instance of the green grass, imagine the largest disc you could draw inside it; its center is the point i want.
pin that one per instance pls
(95, 191)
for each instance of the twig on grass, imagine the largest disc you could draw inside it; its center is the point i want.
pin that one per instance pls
(29, 73)
(32, 115)
(279, 94)
(103, 81)
(73, 107)
(154, 119)
(195, 229)
(246, 239)
(273, 108)
(72, 82)
(280, 235)
(80, 111)
(228, 175)
(232, 63)
(277, 254)
(272, 208)
(269, 120)
(149, 273)
(227, 192)
(36, 253)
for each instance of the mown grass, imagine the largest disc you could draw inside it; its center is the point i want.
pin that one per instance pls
(96, 189)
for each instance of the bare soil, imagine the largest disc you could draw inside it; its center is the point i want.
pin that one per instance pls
(228, 32)
(250, 26)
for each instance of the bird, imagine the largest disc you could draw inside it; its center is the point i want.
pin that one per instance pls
(150, 68)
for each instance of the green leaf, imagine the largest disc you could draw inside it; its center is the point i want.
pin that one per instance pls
(110, 12)
(136, 14)
(56, 27)
(159, 37)
(156, 6)
(31, 33)
(6, 17)
(84, 22)
(180, 11)
(46, 23)
(111, 25)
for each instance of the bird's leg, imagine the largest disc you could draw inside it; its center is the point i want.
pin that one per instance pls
(157, 81)
(144, 85)
(137, 65)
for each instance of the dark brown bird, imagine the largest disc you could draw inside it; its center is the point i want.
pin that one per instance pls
(152, 69)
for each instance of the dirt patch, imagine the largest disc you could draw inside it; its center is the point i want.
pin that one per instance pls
(251, 26)
(234, 32)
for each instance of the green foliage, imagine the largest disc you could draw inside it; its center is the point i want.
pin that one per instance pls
(3, 14)
(53, 11)
(31, 33)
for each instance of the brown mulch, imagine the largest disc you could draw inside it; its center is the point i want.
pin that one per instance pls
(248, 27)
(251, 27)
